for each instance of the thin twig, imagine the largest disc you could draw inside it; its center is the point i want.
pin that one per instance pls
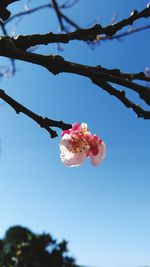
(35, 9)
(123, 34)
(58, 14)
(28, 12)
(61, 16)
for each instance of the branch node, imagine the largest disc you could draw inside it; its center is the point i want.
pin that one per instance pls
(148, 5)
(134, 13)
(122, 92)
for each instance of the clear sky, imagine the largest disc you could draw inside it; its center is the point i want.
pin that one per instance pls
(103, 212)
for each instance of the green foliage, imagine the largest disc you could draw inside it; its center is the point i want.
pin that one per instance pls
(22, 248)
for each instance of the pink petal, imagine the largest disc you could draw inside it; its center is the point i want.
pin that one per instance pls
(94, 150)
(75, 126)
(97, 159)
(65, 131)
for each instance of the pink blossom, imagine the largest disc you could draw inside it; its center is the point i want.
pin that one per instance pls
(78, 143)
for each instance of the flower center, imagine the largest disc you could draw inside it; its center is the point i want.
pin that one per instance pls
(78, 143)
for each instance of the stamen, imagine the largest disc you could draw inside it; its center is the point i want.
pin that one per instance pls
(78, 143)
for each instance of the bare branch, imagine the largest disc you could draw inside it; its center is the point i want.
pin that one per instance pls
(110, 30)
(96, 32)
(123, 34)
(129, 76)
(43, 122)
(9, 72)
(141, 113)
(15, 48)
(56, 64)
(92, 33)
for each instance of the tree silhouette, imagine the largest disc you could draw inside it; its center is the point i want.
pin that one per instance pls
(107, 79)
(22, 248)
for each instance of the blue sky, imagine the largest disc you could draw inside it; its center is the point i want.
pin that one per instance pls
(103, 212)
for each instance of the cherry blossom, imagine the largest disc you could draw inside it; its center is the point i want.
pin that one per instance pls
(78, 143)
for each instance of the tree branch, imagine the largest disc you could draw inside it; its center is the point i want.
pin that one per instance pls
(56, 64)
(16, 49)
(43, 122)
(4, 12)
(110, 30)
(123, 34)
(12, 71)
(89, 34)
(129, 76)
(141, 113)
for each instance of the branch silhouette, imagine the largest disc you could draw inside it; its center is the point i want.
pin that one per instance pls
(16, 48)
(43, 122)
(61, 17)
(4, 12)
(89, 34)
(56, 64)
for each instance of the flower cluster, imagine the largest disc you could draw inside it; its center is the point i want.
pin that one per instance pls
(78, 143)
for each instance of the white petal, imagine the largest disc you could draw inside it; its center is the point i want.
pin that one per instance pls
(71, 159)
(65, 141)
(66, 136)
(68, 157)
(83, 127)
